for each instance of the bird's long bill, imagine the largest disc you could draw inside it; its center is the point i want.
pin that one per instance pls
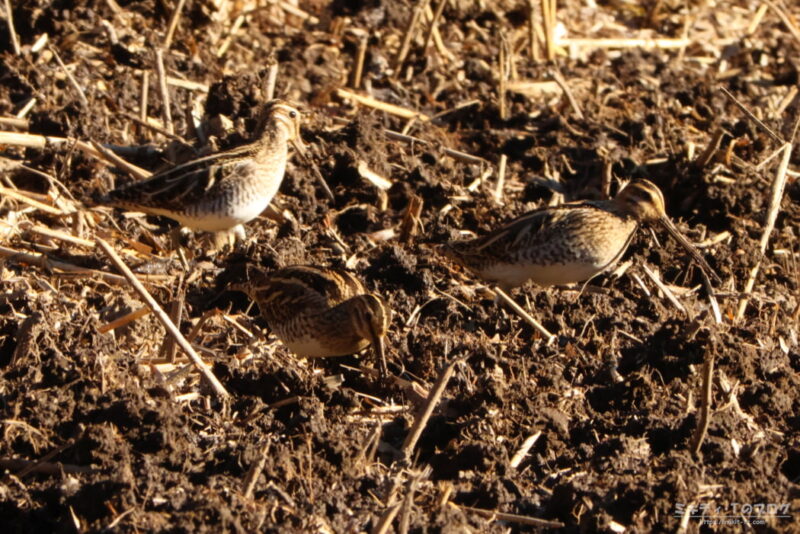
(691, 249)
(299, 147)
(377, 345)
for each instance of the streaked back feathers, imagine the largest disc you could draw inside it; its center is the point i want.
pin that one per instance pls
(287, 292)
(321, 312)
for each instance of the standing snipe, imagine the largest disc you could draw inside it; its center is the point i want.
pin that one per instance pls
(568, 243)
(222, 191)
(320, 312)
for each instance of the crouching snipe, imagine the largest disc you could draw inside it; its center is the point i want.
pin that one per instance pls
(320, 312)
(568, 243)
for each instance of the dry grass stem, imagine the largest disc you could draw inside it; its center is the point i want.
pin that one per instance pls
(705, 407)
(408, 35)
(426, 410)
(392, 109)
(494, 515)
(195, 331)
(41, 141)
(787, 99)
(411, 219)
(162, 85)
(433, 24)
(455, 154)
(373, 177)
(786, 18)
(44, 262)
(525, 315)
(14, 122)
(272, 78)
(12, 32)
(441, 48)
(189, 85)
(169, 348)
(173, 24)
(778, 185)
(118, 162)
(415, 392)
(150, 124)
(251, 477)
(711, 149)
(215, 384)
(145, 95)
(712, 298)
(534, 88)
(647, 44)
(385, 522)
(297, 12)
(43, 468)
(71, 78)
(775, 137)
(16, 194)
(766, 161)
(533, 42)
(31, 466)
(363, 42)
(56, 234)
(549, 21)
(26, 108)
(522, 452)
(318, 175)
(235, 27)
(39, 44)
(757, 18)
(562, 83)
(125, 319)
(502, 71)
(501, 178)
(664, 289)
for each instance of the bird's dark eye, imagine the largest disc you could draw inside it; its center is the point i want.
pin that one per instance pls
(293, 114)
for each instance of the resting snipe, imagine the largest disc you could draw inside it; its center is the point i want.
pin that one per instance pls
(320, 312)
(567, 243)
(222, 191)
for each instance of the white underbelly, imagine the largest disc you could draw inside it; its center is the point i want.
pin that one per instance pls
(516, 275)
(218, 222)
(312, 348)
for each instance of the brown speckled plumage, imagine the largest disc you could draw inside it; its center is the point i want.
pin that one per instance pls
(224, 190)
(568, 243)
(320, 312)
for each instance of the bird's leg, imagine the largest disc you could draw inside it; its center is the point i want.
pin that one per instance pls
(175, 236)
(239, 232)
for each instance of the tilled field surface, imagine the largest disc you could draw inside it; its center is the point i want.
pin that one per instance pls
(593, 431)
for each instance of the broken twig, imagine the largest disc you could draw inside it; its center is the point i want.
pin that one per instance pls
(162, 316)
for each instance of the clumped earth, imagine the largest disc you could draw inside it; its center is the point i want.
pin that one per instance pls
(100, 432)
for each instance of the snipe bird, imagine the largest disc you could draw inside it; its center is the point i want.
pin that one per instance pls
(320, 312)
(221, 191)
(569, 243)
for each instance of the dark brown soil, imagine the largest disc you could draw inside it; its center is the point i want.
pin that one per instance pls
(615, 400)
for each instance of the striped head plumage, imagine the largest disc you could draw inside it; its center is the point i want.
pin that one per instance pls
(280, 114)
(371, 321)
(643, 200)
